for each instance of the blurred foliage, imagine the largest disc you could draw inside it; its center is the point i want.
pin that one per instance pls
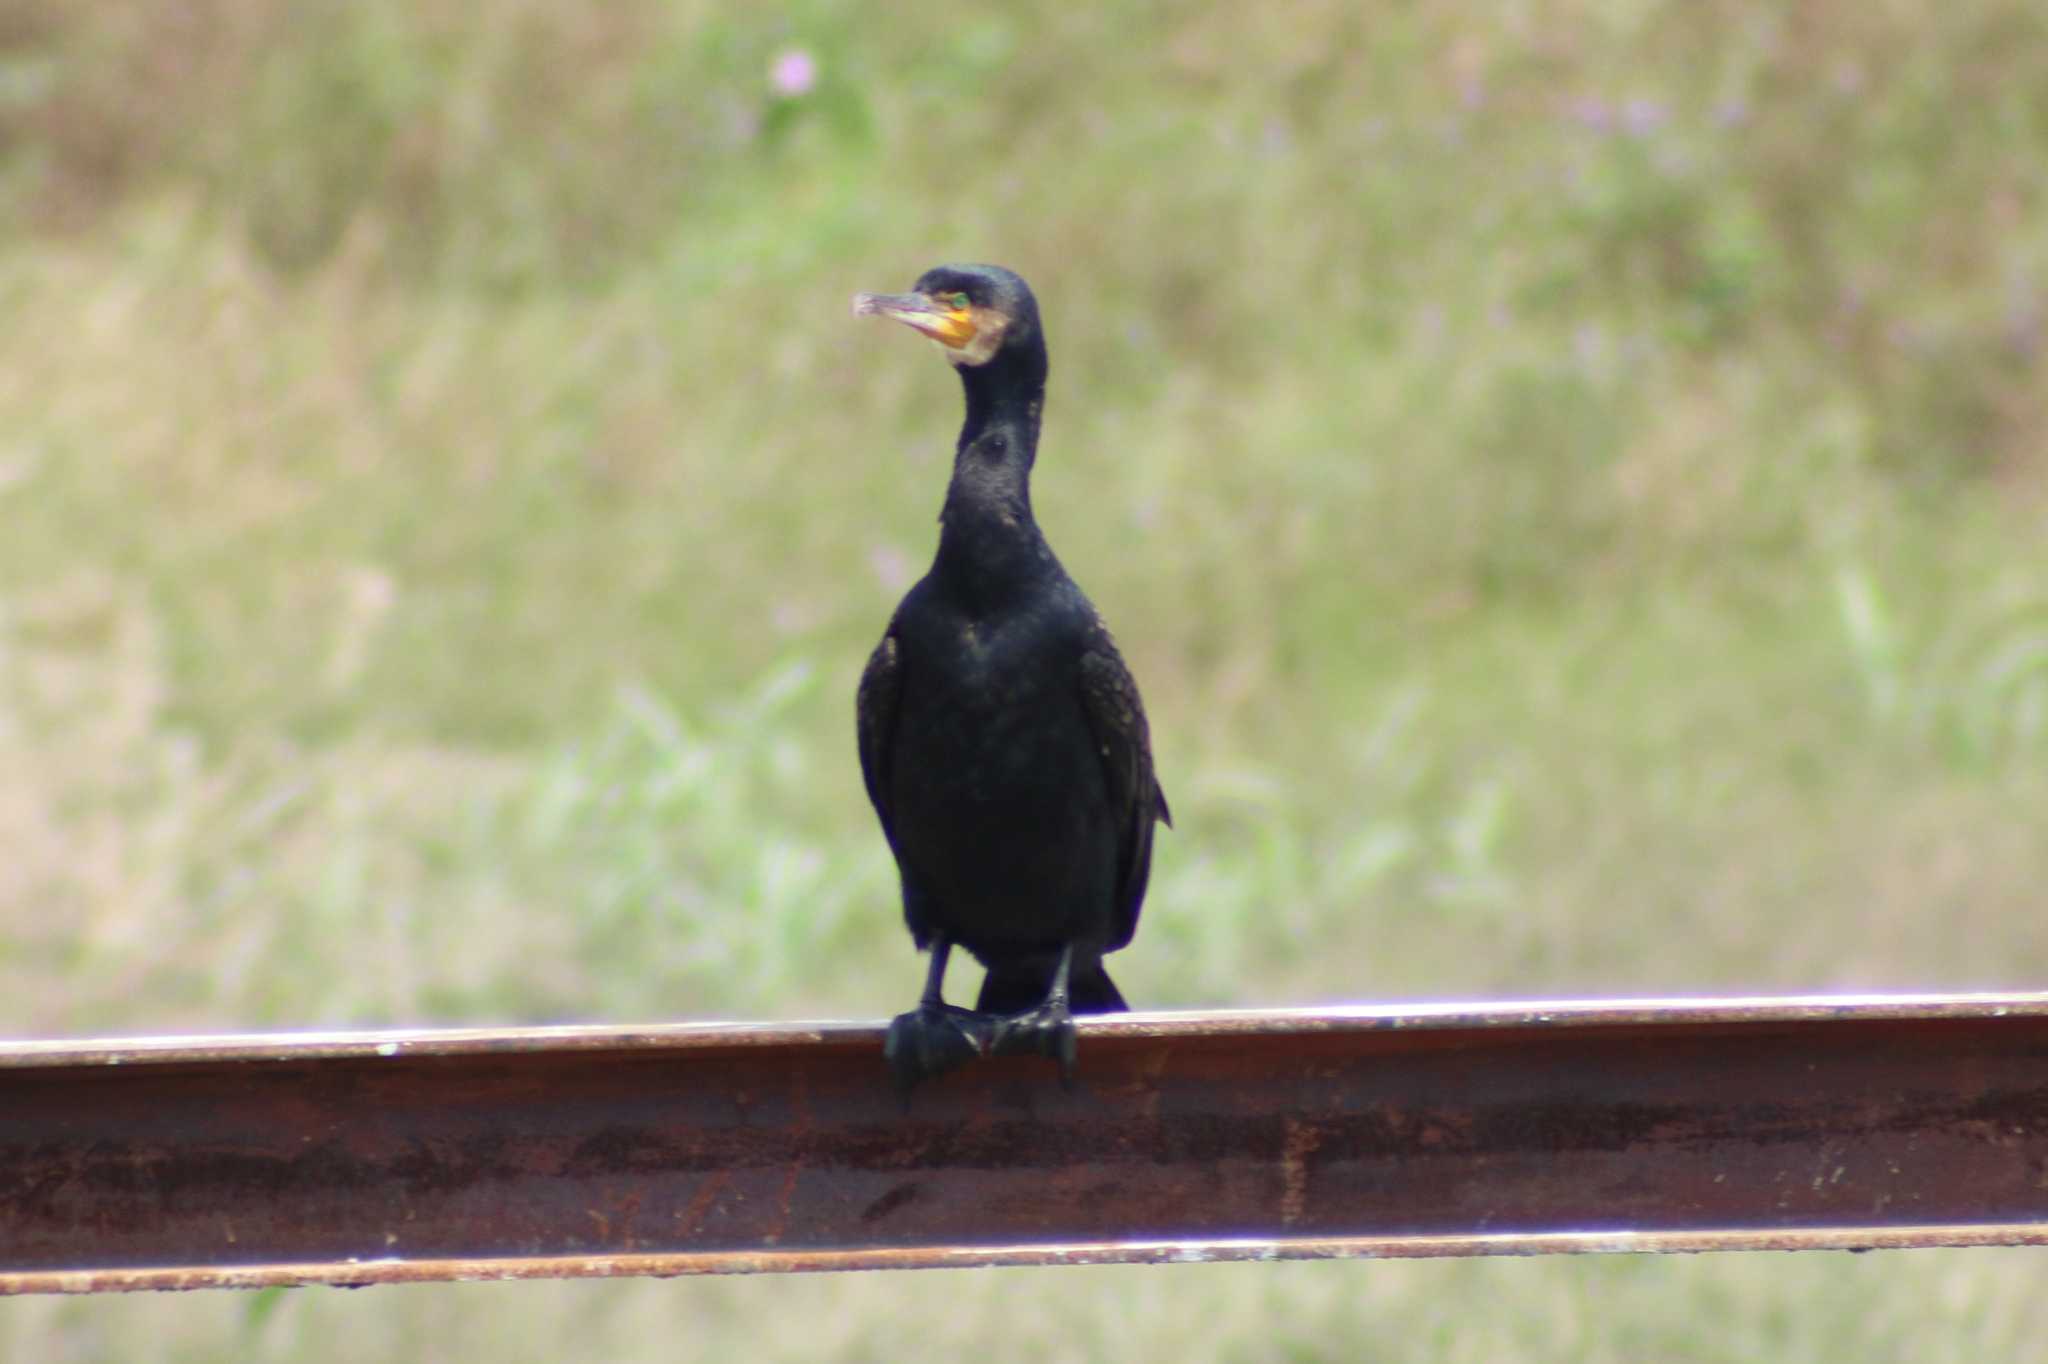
(1568, 477)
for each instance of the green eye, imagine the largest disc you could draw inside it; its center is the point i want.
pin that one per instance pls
(957, 301)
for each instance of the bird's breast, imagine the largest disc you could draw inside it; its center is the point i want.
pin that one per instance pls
(991, 714)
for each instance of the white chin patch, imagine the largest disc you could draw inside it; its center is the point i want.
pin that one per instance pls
(989, 326)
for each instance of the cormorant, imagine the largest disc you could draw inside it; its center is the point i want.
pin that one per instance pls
(1001, 736)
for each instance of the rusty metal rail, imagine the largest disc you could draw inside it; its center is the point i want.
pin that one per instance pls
(1433, 1130)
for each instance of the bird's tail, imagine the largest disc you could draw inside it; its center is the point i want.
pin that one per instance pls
(1013, 988)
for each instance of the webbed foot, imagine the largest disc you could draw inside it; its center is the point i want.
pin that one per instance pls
(1047, 1030)
(931, 1040)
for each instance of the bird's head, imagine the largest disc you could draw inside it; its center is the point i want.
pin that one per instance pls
(974, 312)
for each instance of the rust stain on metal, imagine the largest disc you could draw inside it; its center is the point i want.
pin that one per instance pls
(1301, 1142)
(692, 1217)
(1436, 1130)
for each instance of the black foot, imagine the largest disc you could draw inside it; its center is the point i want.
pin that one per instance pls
(1047, 1030)
(931, 1040)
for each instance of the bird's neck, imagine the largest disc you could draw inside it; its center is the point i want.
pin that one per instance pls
(989, 542)
(1008, 390)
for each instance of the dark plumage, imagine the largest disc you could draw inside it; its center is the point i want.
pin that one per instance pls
(1002, 738)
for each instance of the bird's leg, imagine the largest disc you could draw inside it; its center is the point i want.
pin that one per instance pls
(1047, 1030)
(936, 1036)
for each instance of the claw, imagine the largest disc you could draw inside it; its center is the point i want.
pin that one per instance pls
(1045, 1031)
(931, 1040)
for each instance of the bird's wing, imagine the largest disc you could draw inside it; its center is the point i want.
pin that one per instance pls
(881, 689)
(1117, 717)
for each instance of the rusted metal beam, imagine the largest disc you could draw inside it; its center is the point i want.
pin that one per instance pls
(1414, 1131)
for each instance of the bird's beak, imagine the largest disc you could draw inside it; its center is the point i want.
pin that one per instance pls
(950, 327)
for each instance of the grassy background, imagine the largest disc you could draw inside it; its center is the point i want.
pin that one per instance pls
(1569, 477)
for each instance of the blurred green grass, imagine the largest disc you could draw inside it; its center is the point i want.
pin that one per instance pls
(1569, 480)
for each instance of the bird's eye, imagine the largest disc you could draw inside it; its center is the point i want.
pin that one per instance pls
(956, 301)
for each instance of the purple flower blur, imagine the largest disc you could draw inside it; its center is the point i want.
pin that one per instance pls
(793, 73)
(1592, 113)
(1638, 118)
(1641, 117)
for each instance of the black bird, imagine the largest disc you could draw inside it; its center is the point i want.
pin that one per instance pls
(1001, 736)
